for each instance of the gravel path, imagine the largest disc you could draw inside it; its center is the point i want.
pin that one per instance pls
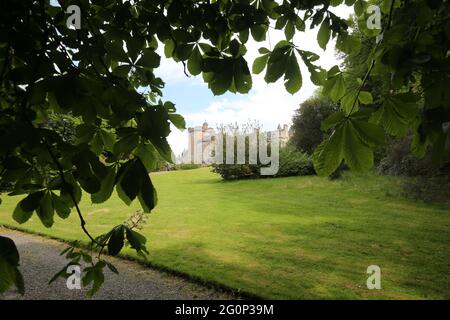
(40, 260)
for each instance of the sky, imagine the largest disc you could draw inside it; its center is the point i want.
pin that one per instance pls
(269, 104)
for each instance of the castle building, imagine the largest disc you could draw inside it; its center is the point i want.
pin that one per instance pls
(201, 141)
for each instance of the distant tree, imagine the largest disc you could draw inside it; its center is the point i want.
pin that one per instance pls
(307, 121)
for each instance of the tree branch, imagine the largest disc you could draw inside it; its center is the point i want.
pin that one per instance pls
(72, 196)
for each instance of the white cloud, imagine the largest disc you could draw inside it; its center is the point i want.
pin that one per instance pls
(178, 140)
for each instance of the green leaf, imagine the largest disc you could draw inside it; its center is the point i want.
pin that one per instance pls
(332, 120)
(183, 51)
(95, 276)
(97, 143)
(90, 184)
(147, 154)
(289, 30)
(260, 63)
(348, 43)
(243, 35)
(358, 156)
(234, 47)
(126, 145)
(134, 46)
(276, 65)
(7, 273)
(32, 201)
(106, 187)
(323, 36)
(61, 208)
(136, 240)
(112, 267)
(350, 103)
(20, 215)
(292, 77)
(221, 82)
(116, 241)
(45, 211)
(163, 148)
(242, 77)
(329, 154)
(359, 8)
(154, 123)
(259, 32)
(281, 22)
(365, 97)
(63, 272)
(177, 120)
(334, 87)
(147, 195)
(131, 180)
(9, 262)
(116, 51)
(369, 133)
(169, 47)
(122, 70)
(70, 188)
(150, 59)
(195, 62)
(397, 113)
(86, 257)
(108, 139)
(85, 133)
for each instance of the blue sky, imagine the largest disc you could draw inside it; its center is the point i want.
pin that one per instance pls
(192, 97)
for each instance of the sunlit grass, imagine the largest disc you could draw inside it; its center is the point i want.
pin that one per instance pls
(299, 237)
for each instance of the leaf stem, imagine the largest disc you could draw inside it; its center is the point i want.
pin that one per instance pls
(366, 76)
(72, 195)
(391, 10)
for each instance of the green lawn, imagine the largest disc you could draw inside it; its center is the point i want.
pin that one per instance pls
(295, 238)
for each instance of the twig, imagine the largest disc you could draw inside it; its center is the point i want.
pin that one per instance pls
(391, 10)
(72, 196)
(361, 86)
(373, 60)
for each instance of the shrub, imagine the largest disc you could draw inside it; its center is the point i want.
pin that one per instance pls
(186, 166)
(428, 189)
(237, 171)
(428, 182)
(399, 161)
(294, 163)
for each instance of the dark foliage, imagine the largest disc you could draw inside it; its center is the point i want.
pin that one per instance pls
(307, 121)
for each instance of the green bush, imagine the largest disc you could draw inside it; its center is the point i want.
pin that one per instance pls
(398, 160)
(428, 188)
(292, 162)
(237, 171)
(428, 182)
(186, 166)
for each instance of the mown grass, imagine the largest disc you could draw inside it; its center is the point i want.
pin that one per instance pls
(294, 238)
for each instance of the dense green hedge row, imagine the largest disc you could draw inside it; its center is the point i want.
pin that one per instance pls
(292, 162)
